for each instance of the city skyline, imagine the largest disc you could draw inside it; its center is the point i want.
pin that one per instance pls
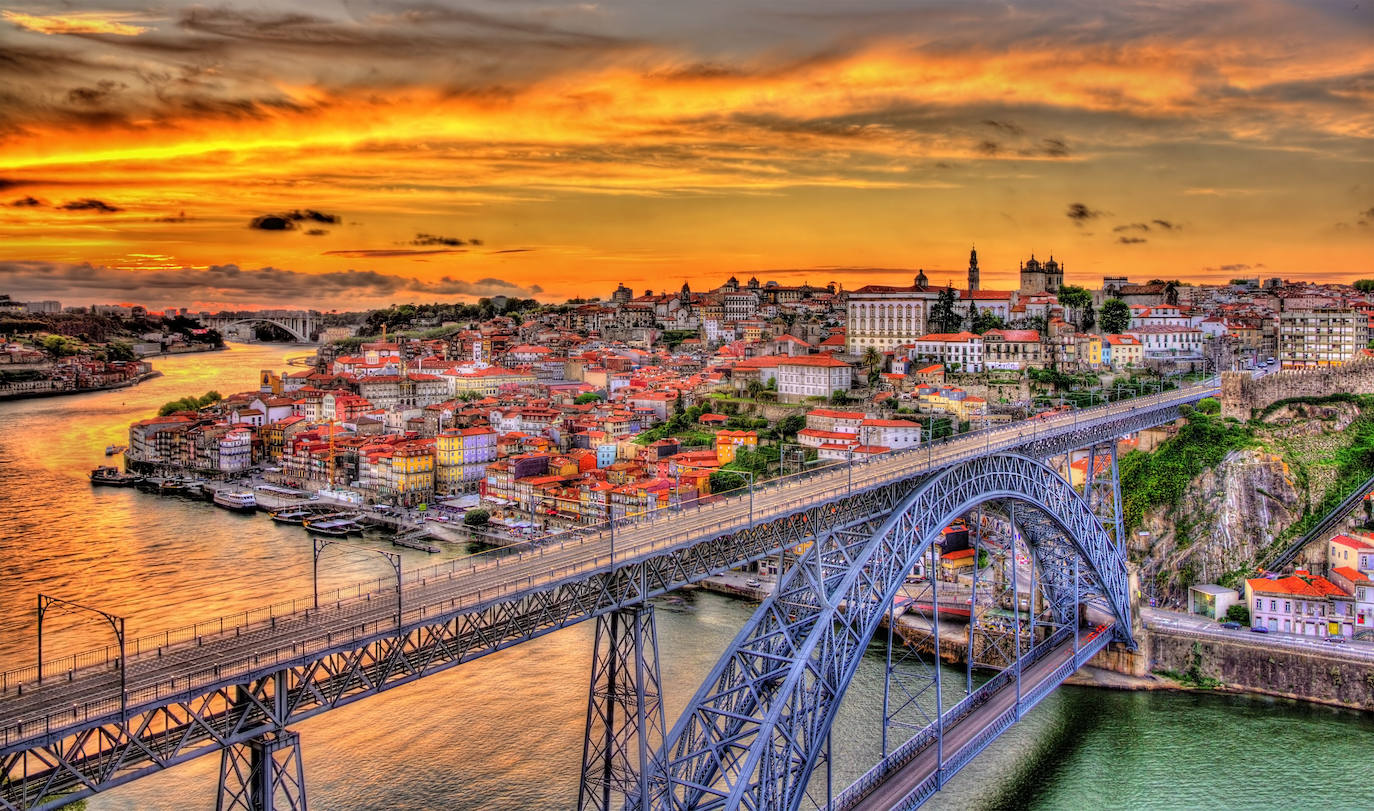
(356, 154)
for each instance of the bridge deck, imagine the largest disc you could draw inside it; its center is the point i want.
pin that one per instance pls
(912, 784)
(157, 671)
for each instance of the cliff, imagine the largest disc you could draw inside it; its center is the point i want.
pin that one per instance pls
(1210, 503)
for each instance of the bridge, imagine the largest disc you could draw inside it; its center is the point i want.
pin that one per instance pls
(301, 324)
(846, 537)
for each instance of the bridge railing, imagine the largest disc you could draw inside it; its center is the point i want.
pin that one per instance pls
(908, 751)
(644, 531)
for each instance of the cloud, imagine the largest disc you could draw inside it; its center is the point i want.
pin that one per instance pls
(72, 24)
(1055, 147)
(435, 239)
(1167, 225)
(1131, 240)
(1004, 126)
(1234, 268)
(95, 95)
(316, 232)
(287, 221)
(380, 253)
(232, 283)
(989, 148)
(172, 218)
(26, 202)
(1081, 213)
(1135, 226)
(90, 204)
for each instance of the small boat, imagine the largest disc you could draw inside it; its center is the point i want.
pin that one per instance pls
(291, 515)
(111, 450)
(112, 477)
(335, 526)
(236, 500)
(180, 486)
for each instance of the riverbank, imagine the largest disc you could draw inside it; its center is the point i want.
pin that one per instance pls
(36, 393)
(193, 349)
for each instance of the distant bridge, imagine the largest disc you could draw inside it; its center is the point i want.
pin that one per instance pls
(301, 324)
(846, 537)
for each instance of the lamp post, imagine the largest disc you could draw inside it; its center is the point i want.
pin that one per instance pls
(394, 558)
(46, 604)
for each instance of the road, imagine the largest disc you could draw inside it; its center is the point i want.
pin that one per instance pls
(1158, 619)
(178, 661)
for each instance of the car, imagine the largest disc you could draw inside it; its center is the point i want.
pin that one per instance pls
(1336, 640)
(1258, 629)
(753, 583)
(1231, 626)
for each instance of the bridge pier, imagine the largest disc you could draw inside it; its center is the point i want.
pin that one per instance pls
(262, 774)
(625, 723)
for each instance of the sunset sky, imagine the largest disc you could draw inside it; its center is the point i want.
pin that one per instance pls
(353, 153)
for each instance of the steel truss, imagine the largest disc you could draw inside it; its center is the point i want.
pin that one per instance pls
(262, 774)
(751, 735)
(624, 711)
(50, 761)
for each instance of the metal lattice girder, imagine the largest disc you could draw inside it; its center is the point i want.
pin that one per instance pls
(1103, 485)
(56, 750)
(624, 711)
(262, 774)
(751, 735)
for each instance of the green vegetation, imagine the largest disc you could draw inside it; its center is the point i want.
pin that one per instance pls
(1078, 302)
(589, 397)
(1359, 400)
(1115, 316)
(1238, 612)
(476, 518)
(189, 403)
(1162, 477)
(1209, 405)
(674, 337)
(1193, 676)
(943, 317)
(1364, 285)
(59, 346)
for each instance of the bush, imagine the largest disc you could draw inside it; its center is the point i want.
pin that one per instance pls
(476, 518)
(1238, 612)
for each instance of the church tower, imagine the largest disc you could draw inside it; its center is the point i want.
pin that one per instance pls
(973, 269)
(921, 280)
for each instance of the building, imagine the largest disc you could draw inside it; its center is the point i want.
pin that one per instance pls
(461, 458)
(1321, 336)
(812, 376)
(729, 442)
(1211, 601)
(1302, 603)
(962, 351)
(1038, 278)
(1122, 351)
(1012, 349)
(883, 316)
(892, 434)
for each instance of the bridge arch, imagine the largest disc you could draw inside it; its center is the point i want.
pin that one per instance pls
(295, 333)
(751, 735)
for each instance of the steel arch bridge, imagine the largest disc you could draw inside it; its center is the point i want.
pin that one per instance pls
(299, 326)
(753, 732)
(235, 687)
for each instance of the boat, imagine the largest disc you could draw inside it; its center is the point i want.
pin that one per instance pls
(111, 476)
(236, 500)
(291, 515)
(335, 525)
(111, 450)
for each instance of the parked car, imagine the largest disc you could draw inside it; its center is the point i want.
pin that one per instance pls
(1258, 629)
(1231, 626)
(753, 583)
(1336, 640)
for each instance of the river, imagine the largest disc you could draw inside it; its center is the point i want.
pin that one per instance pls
(505, 731)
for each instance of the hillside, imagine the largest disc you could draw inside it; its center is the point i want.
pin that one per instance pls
(1219, 497)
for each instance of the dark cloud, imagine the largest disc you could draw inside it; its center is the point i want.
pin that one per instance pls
(95, 95)
(1235, 268)
(513, 250)
(988, 147)
(1081, 213)
(271, 222)
(26, 202)
(380, 253)
(434, 239)
(287, 221)
(232, 283)
(89, 204)
(178, 217)
(316, 232)
(1131, 240)
(1167, 225)
(1366, 218)
(1135, 226)
(1004, 126)
(1055, 148)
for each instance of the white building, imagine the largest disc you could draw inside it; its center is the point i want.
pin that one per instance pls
(883, 316)
(812, 376)
(950, 348)
(1169, 341)
(893, 434)
(1321, 336)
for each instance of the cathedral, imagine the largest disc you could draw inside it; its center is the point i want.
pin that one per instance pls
(1038, 278)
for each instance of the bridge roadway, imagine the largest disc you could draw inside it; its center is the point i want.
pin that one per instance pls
(911, 777)
(37, 715)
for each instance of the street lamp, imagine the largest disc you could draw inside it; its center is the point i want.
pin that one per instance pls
(46, 603)
(394, 558)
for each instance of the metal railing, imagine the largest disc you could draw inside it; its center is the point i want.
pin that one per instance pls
(643, 536)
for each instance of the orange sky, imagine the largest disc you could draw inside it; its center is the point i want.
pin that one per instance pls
(442, 151)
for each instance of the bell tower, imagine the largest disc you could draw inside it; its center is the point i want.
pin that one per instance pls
(973, 269)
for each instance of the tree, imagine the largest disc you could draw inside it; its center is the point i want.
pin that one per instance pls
(1171, 292)
(58, 346)
(790, 425)
(1365, 285)
(872, 358)
(120, 350)
(588, 397)
(943, 317)
(1075, 300)
(1116, 316)
(839, 397)
(1209, 405)
(476, 518)
(987, 320)
(1238, 612)
(753, 388)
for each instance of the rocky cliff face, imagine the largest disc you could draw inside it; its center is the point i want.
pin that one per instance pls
(1236, 510)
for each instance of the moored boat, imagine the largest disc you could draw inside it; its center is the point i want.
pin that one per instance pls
(291, 515)
(237, 500)
(111, 476)
(111, 450)
(336, 525)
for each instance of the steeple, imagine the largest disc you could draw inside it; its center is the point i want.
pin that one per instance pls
(973, 269)
(921, 280)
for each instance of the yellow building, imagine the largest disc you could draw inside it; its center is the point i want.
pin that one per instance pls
(728, 444)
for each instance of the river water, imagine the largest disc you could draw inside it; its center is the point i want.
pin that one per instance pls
(505, 731)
